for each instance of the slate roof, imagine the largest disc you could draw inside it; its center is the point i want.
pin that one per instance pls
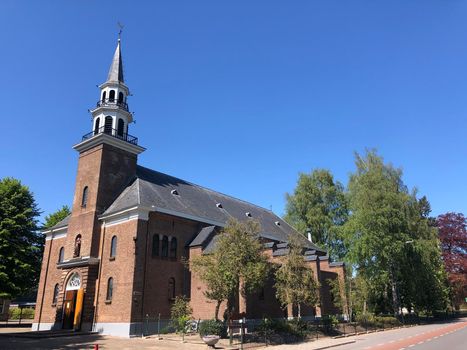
(203, 236)
(60, 224)
(153, 189)
(116, 68)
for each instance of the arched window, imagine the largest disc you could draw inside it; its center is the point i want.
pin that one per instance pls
(96, 126)
(108, 124)
(104, 95)
(113, 247)
(120, 97)
(74, 282)
(155, 245)
(61, 254)
(173, 248)
(165, 247)
(171, 289)
(84, 198)
(110, 288)
(77, 248)
(120, 127)
(55, 296)
(112, 96)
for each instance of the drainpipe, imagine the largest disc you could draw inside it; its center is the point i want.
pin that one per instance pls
(144, 277)
(45, 279)
(99, 278)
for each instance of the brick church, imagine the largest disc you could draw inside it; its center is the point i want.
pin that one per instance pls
(119, 256)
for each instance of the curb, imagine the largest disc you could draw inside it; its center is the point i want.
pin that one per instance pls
(335, 345)
(373, 331)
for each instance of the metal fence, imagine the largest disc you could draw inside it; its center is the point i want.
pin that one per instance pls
(248, 333)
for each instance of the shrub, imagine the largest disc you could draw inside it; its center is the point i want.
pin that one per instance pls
(298, 328)
(329, 322)
(181, 313)
(28, 313)
(366, 319)
(386, 321)
(212, 327)
(270, 325)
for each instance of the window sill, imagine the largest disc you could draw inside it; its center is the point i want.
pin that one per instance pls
(112, 258)
(108, 302)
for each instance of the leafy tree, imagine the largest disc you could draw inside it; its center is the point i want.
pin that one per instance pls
(421, 267)
(237, 264)
(54, 218)
(295, 284)
(377, 229)
(318, 204)
(181, 314)
(390, 240)
(452, 229)
(20, 243)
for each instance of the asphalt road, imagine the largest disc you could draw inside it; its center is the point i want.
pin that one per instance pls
(444, 336)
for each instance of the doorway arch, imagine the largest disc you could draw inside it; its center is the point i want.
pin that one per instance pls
(73, 302)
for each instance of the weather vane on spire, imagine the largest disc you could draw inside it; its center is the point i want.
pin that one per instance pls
(120, 31)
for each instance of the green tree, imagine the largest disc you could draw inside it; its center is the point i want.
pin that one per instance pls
(20, 242)
(295, 284)
(319, 204)
(54, 218)
(236, 265)
(181, 314)
(421, 267)
(389, 238)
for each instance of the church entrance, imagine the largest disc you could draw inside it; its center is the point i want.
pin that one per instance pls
(73, 303)
(69, 306)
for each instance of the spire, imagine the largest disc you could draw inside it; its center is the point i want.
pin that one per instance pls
(116, 68)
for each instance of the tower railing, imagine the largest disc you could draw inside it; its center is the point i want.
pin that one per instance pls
(112, 132)
(112, 102)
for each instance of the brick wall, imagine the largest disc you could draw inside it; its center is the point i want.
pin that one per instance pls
(54, 276)
(159, 270)
(121, 268)
(329, 273)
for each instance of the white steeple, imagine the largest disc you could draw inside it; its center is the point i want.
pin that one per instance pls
(111, 115)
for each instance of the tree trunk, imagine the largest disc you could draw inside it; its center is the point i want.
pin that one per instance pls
(395, 297)
(349, 301)
(216, 312)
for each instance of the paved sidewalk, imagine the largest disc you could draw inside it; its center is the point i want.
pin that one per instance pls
(323, 343)
(169, 342)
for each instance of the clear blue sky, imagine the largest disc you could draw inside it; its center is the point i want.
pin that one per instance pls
(241, 96)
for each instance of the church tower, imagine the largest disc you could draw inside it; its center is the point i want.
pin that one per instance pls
(111, 115)
(107, 164)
